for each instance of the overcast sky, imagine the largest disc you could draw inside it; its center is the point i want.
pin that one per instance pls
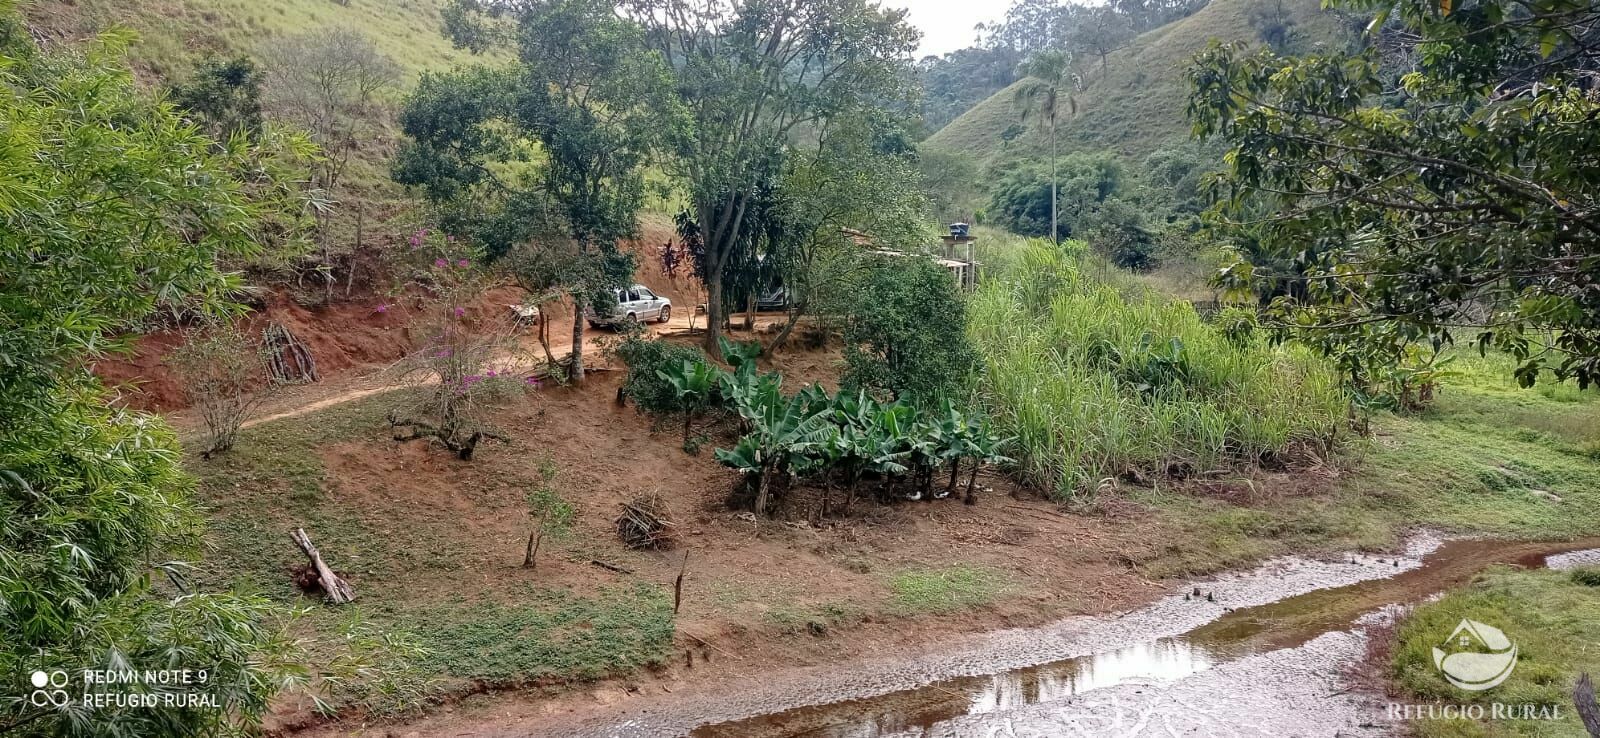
(947, 24)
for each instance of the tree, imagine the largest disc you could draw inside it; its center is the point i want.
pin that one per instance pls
(862, 176)
(1101, 31)
(905, 332)
(1049, 74)
(330, 83)
(222, 96)
(583, 88)
(1409, 208)
(552, 516)
(114, 209)
(754, 78)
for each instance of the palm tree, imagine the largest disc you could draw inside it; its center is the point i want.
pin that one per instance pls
(1048, 75)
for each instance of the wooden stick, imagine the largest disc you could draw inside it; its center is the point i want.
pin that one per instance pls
(611, 567)
(677, 587)
(338, 590)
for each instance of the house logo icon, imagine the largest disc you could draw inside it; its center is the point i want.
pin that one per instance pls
(1476, 656)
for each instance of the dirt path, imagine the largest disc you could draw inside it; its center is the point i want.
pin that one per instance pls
(352, 386)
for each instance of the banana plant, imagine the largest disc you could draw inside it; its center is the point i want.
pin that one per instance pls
(988, 447)
(953, 431)
(782, 437)
(693, 383)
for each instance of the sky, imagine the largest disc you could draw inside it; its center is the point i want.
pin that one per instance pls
(947, 24)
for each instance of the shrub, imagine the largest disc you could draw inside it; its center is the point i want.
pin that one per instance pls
(650, 361)
(464, 357)
(224, 377)
(905, 331)
(1587, 576)
(1098, 382)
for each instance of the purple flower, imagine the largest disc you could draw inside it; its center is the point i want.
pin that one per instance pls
(460, 311)
(440, 262)
(461, 263)
(490, 373)
(384, 308)
(532, 381)
(441, 353)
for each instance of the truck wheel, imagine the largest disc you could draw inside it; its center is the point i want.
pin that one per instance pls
(666, 313)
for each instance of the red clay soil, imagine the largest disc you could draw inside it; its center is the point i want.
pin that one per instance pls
(366, 331)
(742, 573)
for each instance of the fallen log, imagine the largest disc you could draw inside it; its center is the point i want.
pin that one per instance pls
(337, 589)
(1588, 711)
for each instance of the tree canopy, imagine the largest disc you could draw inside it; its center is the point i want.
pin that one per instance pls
(1434, 183)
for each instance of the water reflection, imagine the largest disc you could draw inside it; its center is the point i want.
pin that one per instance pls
(1286, 623)
(1161, 660)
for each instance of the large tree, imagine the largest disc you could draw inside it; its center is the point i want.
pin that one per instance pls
(566, 127)
(759, 80)
(111, 208)
(1457, 192)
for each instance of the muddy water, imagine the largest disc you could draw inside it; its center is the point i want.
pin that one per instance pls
(1283, 653)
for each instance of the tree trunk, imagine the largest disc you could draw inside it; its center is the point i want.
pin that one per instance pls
(850, 497)
(972, 483)
(338, 590)
(750, 312)
(687, 417)
(761, 491)
(795, 312)
(350, 274)
(575, 373)
(713, 313)
(544, 337)
(955, 469)
(1055, 230)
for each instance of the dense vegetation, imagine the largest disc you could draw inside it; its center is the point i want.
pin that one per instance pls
(114, 210)
(1423, 188)
(1097, 382)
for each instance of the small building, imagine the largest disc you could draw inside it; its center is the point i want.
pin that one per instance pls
(959, 256)
(955, 253)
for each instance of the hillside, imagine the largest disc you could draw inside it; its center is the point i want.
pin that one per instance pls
(1136, 105)
(173, 34)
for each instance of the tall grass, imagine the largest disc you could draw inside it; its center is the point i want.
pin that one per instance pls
(1098, 381)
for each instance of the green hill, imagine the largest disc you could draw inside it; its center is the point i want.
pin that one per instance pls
(173, 34)
(1136, 105)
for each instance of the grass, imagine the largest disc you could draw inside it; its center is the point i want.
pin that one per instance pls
(407, 563)
(944, 590)
(1552, 619)
(174, 34)
(545, 634)
(1096, 382)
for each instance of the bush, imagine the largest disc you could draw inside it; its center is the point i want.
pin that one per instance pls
(224, 377)
(1097, 382)
(646, 358)
(1587, 576)
(905, 331)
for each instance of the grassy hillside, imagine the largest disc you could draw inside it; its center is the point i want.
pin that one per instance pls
(175, 33)
(1136, 105)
